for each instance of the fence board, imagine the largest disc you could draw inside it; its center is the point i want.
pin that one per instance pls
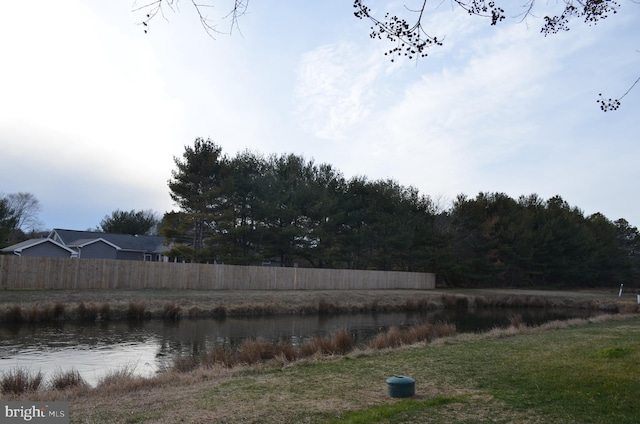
(60, 273)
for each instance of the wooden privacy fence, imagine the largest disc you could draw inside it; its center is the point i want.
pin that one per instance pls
(60, 273)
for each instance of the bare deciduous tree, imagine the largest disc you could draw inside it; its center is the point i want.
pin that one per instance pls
(25, 207)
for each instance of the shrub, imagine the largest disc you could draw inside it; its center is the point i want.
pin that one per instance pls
(316, 345)
(287, 350)
(440, 330)
(33, 314)
(184, 364)
(516, 321)
(64, 380)
(20, 380)
(88, 312)
(423, 304)
(219, 355)
(58, 310)
(375, 305)
(395, 337)
(253, 351)
(14, 314)
(136, 310)
(422, 332)
(342, 342)
(390, 338)
(195, 312)
(171, 311)
(627, 308)
(453, 301)
(324, 307)
(121, 377)
(220, 311)
(481, 302)
(410, 305)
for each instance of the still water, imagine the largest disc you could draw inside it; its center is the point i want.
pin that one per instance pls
(95, 349)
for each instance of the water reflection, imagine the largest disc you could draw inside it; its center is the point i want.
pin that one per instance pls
(95, 349)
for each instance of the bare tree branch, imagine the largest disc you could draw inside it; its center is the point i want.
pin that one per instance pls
(613, 104)
(410, 38)
(157, 7)
(413, 41)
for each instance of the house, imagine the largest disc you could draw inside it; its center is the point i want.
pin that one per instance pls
(95, 248)
(40, 247)
(91, 244)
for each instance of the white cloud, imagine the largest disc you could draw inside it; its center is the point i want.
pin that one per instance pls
(82, 98)
(94, 110)
(334, 89)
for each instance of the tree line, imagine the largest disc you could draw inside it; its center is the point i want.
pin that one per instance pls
(286, 210)
(19, 220)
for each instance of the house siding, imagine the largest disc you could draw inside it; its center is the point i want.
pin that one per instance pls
(47, 250)
(130, 256)
(98, 250)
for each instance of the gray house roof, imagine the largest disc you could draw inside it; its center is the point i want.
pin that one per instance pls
(146, 244)
(19, 248)
(86, 242)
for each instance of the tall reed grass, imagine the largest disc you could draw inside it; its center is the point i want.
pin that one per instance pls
(426, 332)
(251, 352)
(137, 310)
(455, 301)
(62, 380)
(170, 310)
(20, 380)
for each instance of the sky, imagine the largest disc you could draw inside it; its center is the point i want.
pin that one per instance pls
(93, 110)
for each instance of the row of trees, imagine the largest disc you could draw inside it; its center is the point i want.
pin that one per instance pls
(143, 222)
(19, 220)
(532, 241)
(250, 208)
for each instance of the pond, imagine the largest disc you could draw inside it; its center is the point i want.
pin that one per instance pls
(95, 349)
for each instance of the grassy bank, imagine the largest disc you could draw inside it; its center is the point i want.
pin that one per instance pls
(582, 371)
(29, 306)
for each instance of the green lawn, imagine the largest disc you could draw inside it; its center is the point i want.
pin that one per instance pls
(585, 374)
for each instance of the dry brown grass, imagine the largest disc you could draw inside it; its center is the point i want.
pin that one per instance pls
(219, 356)
(20, 380)
(13, 314)
(58, 310)
(43, 305)
(220, 311)
(88, 311)
(251, 352)
(137, 310)
(455, 301)
(63, 380)
(172, 311)
(426, 332)
(342, 342)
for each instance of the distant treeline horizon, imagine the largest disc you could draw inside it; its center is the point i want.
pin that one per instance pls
(250, 208)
